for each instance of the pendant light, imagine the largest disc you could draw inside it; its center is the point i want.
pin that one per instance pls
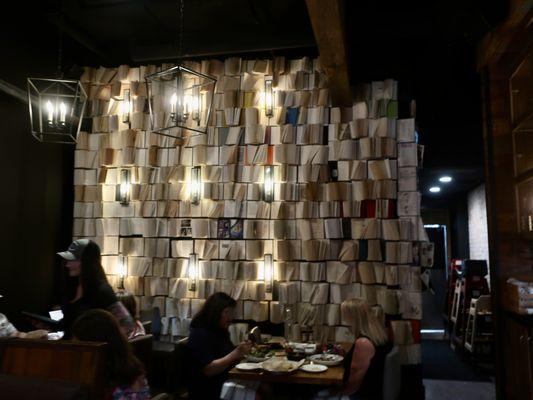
(56, 106)
(179, 97)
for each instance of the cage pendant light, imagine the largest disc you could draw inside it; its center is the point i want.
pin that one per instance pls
(180, 98)
(56, 106)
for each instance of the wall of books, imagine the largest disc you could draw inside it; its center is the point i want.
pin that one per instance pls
(344, 220)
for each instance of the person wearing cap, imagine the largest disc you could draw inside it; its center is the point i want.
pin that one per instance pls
(87, 287)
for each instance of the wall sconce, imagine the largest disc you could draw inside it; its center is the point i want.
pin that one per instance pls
(193, 271)
(122, 270)
(196, 185)
(268, 184)
(123, 189)
(269, 273)
(127, 106)
(269, 97)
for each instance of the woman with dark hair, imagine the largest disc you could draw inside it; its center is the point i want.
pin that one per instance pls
(211, 349)
(88, 288)
(125, 377)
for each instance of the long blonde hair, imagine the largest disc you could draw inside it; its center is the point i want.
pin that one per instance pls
(363, 321)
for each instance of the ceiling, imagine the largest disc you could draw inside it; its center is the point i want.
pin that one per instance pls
(428, 46)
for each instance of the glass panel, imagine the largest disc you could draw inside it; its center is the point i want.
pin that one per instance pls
(524, 193)
(521, 86)
(523, 151)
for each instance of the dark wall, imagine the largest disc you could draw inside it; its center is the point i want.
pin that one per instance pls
(36, 195)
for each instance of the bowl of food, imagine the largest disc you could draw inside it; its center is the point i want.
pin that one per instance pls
(329, 360)
(280, 366)
(259, 353)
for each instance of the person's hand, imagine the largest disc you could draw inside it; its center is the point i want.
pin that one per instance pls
(38, 334)
(243, 348)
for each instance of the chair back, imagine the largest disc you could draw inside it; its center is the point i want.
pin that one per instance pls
(392, 380)
(142, 348)
(81, 362)
(154, 316)
(181, 367)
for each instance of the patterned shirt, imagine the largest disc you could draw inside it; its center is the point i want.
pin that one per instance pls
(139, 390)
(6, 328)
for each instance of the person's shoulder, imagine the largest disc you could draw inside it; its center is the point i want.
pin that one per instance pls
(104, 294)
(364, 343)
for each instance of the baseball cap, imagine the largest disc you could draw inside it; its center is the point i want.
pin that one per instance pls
(75, 250)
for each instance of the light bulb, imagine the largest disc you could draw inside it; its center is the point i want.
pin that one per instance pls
(268, 187)
(50, 109)
(434, 189)
(62, 113)
(173, 102)
(445, 179)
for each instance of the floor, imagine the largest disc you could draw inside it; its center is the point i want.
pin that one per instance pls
(458, 390)
(446, 376)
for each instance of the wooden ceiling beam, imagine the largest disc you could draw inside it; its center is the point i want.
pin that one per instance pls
(496, 43)
(328, 27)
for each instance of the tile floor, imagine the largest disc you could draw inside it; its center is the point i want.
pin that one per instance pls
(459, 390)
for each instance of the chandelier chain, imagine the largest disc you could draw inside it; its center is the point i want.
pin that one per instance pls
(180, 31)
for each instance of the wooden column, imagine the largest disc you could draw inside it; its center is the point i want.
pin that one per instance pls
(328, 26)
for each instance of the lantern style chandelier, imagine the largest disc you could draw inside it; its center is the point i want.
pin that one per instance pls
(56, 106)
(179, 97)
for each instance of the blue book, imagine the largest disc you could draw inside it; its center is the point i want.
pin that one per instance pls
(292, 115)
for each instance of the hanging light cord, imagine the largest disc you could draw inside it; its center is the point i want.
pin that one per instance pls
(180, 29)
(60, 43)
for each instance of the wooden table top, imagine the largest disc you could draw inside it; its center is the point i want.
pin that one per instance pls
(332, 376)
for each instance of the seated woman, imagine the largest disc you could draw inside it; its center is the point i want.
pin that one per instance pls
(211, 348)
(87, 287)
(365, 361)
(131, 305)
(125, 377)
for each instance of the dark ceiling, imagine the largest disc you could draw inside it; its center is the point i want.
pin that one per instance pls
(429, 47)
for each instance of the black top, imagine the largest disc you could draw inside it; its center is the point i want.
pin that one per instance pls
(206, 345)
(102, 297)
(372, 386)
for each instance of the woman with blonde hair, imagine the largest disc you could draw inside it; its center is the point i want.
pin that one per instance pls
(364, 362)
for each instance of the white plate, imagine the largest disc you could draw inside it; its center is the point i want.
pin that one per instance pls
(253, 359)
(313, 368)
(248, 366)
(330, 359)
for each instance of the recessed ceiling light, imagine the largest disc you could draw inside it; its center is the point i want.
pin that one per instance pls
(434, 189)
(445, 179)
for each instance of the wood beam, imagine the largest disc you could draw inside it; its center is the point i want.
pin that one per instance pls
(496, 42)
(328, 26)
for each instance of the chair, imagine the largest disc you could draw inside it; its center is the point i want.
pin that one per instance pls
(80, 363)
(392, 382)
(181, 369)
(142, 348)
(161, 372)
(153, 316)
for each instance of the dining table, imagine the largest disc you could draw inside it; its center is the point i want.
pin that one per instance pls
(332, 376)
